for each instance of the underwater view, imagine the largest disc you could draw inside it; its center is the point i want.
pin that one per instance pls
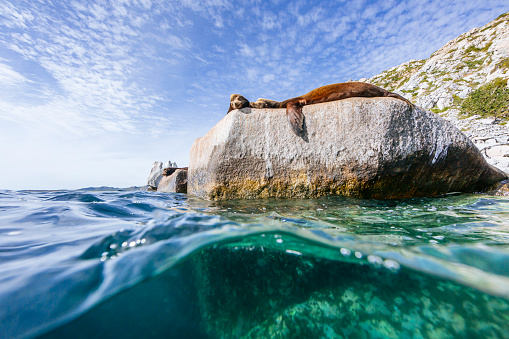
(129, 263)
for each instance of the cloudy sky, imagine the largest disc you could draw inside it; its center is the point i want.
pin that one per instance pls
(92, 92)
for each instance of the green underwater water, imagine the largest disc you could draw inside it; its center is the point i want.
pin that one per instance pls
(250, 289)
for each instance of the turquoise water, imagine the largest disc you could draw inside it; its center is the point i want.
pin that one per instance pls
(130, 263)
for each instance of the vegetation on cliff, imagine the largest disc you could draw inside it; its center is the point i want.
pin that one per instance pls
(489, 100)
(466, 74)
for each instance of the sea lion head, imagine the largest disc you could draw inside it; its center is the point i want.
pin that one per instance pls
(237, 101)
(169, 171)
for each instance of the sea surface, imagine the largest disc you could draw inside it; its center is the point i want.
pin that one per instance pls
(127, 263)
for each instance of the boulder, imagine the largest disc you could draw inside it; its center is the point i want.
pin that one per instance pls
(156, 174)
(174, 183)
(362, 147)
(445, 101)
(501, 189)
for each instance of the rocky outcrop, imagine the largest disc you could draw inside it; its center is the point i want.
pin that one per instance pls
(155, 176)
(362, 147)
(175, 182)
(167, 178)
(456, 69)
(162, 178)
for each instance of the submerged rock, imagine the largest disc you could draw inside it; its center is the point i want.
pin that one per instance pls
(363, 147)
(176, 182)
(260, 292)
(155, 176)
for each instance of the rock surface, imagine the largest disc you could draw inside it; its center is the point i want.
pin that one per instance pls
(362, 147)
(174, 183)
(155, 176)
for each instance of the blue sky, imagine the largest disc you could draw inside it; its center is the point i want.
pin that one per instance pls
(92, 92)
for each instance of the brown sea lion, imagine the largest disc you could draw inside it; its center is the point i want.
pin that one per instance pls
(170, 170)
(322, 94)
(237, 101)
(264, 103)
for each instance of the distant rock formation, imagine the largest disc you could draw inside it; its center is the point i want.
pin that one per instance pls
(160, 172)
(155, 176)
(169, 164)
(361, 147)
(176, 182)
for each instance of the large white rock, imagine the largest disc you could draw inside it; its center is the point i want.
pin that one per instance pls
(362, 147)
(156, 173)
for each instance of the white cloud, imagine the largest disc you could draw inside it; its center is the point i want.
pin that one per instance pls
(91, 63)
(10, 78)
(268, 77)
(12, 17)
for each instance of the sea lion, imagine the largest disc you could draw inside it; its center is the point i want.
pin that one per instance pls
(170, 170)
(321, 94)
(264, 103)
(237, 101)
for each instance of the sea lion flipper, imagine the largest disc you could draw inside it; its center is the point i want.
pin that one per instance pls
(295, 118)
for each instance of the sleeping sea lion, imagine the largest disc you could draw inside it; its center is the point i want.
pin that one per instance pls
(237, 101)
(170, 170)
(321, 94)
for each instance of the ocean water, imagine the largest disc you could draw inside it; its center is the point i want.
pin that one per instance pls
(98, 263)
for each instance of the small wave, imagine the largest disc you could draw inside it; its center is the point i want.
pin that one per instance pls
(81, 197)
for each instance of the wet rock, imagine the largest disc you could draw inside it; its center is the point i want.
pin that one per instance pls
(362, 147)
(155, 176)
(175, 182)
(261, 293)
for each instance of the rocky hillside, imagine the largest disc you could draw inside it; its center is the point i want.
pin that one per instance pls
(462, 65)
(449, 75)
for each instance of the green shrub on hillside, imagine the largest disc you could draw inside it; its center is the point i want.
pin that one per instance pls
(489, 100)
(437, 110)
(504, 63)
(471, 49)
